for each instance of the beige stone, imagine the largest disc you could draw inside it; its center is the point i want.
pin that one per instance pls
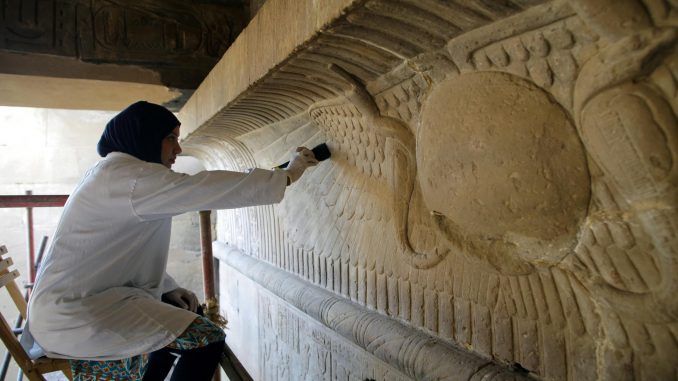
(502, 184)
(502, 162)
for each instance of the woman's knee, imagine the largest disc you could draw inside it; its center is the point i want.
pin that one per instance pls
(200, 333)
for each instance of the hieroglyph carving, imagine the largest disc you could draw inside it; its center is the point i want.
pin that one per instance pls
(296, 349)
(113, 31)
(507, 184)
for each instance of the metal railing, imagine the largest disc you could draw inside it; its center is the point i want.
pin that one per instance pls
(28, 201)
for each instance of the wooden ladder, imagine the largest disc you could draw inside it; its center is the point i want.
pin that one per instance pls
(33, 369)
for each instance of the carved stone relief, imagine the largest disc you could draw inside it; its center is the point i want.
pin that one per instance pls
(511, 206)
(297, 349)
(163, 36)
(502, 177)
(312, 333)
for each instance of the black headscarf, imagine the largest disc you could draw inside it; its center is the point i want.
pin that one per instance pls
(138, 130)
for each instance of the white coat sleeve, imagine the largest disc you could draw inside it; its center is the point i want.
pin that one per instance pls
(160, 193)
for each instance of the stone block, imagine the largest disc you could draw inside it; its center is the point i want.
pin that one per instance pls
(502, 182)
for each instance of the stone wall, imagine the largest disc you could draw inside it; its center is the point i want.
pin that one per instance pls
(501, 198)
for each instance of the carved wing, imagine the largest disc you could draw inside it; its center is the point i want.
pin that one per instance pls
(346, 207)
(344, 203)
(612, 249)
(375, 171)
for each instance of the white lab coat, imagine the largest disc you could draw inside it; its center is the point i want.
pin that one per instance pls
(97, 296)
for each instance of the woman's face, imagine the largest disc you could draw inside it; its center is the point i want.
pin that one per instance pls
(170, 148)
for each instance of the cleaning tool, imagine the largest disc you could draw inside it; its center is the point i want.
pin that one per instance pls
(321, 152)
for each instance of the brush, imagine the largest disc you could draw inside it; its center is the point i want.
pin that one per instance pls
(321, 152)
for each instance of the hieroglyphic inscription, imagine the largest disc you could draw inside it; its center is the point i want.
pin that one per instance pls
(160, 35)
(296, 348)
(43, 26)
(143, 30)
(598, 305)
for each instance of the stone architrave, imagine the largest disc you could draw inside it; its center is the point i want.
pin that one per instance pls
(502, 181)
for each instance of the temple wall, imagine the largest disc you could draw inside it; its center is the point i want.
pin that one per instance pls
(500, 202)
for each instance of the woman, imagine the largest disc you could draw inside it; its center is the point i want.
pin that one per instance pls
(97, 298)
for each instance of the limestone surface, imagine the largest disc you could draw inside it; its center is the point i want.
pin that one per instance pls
(502, 183)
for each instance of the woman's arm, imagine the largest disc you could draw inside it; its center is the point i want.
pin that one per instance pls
(160, 193)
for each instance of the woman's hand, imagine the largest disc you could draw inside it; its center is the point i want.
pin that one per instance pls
(182, 298)
(301, 160)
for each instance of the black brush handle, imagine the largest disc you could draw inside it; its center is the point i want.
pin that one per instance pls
(321, 152)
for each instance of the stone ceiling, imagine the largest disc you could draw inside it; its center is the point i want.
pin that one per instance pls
(105, 54)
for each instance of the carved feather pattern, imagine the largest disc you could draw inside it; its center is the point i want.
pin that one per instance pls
(614, 249)
(341, 211)
(346, 200)
(341, 221)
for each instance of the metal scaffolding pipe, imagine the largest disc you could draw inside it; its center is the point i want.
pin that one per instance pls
(207, 257)
(211, 304)
(31, 241)
(32, 201)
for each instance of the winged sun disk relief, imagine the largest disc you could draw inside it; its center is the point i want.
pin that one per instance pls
(424, 235)
(400, 164)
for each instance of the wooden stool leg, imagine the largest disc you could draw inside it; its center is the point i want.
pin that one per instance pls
(67, 373)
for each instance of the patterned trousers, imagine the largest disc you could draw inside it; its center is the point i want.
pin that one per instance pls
(200, 333)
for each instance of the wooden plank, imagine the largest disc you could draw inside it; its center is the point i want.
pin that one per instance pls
(17, 352)
(14, 290)
(8, 277)
(232, 367)
(7, 280)
(18, 298)
(48, 365)
(4, 265)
